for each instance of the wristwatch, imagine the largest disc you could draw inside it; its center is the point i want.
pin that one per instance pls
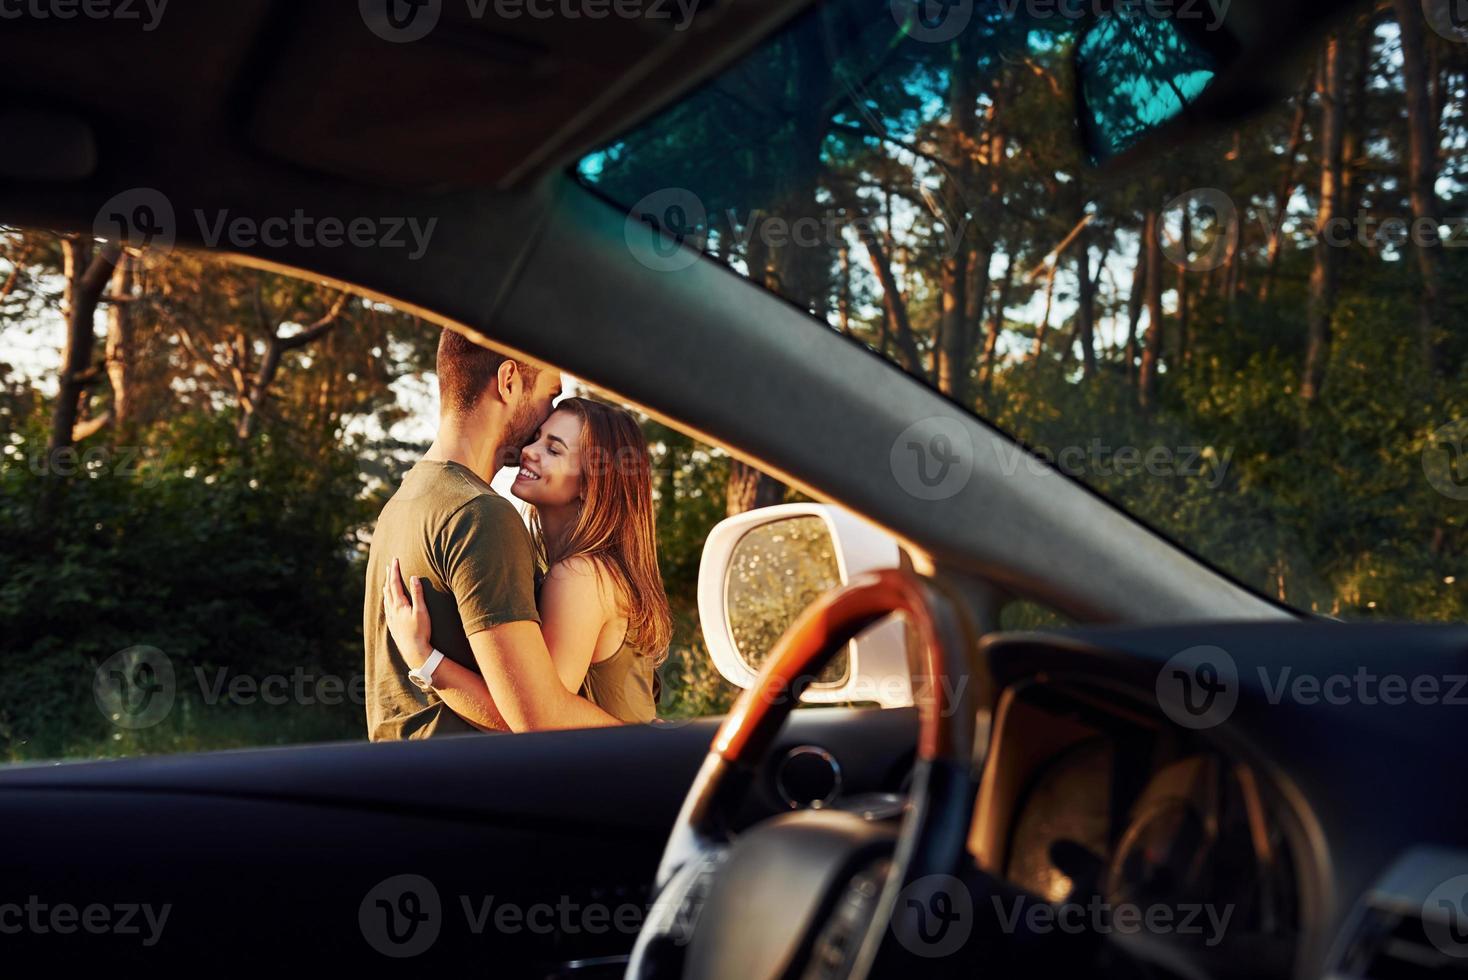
(422, 677)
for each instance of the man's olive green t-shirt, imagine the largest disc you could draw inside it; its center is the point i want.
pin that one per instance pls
(478, 567)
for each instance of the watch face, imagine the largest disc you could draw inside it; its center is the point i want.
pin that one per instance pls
(418, 681)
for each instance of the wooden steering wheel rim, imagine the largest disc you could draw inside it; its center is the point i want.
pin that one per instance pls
(945, 711)
(935, 827)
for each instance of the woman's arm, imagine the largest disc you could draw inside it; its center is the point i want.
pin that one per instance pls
(463, 690)
(576, 603)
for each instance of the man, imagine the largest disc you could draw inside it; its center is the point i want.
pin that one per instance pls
(474, 555)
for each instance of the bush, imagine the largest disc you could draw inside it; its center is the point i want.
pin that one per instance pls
(220, 561)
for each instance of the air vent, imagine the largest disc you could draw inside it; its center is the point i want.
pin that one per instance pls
(1390, 946)
(1413, 923)
(808, 776)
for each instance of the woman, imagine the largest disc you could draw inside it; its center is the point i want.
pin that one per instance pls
(587, 477)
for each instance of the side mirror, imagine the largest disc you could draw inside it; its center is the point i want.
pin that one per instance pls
(759, 572)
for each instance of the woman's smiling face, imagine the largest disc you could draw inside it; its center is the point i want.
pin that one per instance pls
(550, 467)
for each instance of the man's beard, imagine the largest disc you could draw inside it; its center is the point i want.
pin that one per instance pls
(520, 432)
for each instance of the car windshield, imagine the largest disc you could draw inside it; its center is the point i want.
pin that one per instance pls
(1245, 340)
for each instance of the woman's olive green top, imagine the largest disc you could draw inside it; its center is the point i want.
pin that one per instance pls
(624, 686)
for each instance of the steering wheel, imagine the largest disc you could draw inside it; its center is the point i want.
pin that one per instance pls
(821, 892)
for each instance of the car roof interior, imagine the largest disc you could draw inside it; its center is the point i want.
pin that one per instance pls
(265, 108)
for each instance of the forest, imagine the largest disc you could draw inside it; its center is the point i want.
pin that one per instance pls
(1250, 341)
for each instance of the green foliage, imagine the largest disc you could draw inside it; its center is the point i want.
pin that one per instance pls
(217, 561)
(692, 688)
(1335, 518)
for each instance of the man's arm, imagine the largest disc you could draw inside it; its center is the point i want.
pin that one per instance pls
(461, 689)
(524, 684)
(466, 695)
(522, 693)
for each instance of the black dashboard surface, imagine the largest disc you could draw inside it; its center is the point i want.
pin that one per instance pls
(1356, 732)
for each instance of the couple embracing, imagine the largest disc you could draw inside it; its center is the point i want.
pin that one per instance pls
(474, 621)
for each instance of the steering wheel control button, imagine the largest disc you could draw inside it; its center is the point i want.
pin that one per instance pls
(841, 937)
(808, 776)
(401, 916)
(1199, 687)
(934, 916)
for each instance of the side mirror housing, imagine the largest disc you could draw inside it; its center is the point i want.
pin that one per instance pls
(761, 569)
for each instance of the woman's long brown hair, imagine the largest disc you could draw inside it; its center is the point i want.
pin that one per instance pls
(615, 527)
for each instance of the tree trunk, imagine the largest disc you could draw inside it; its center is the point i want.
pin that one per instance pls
(121, 346)
(1086, 310)
(86, 276)
(749, 489)
(1422, 173)
(996, 321)
(955, 349)
(1186, 235)
(1152, 347)
(1285, 191)
(1323, 274)
(1134, 308)
(843, 295)
(1044, 326)
(896, 309)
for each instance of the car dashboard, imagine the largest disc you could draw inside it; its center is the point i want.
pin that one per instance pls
(1136, 831)
(1292, 836)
